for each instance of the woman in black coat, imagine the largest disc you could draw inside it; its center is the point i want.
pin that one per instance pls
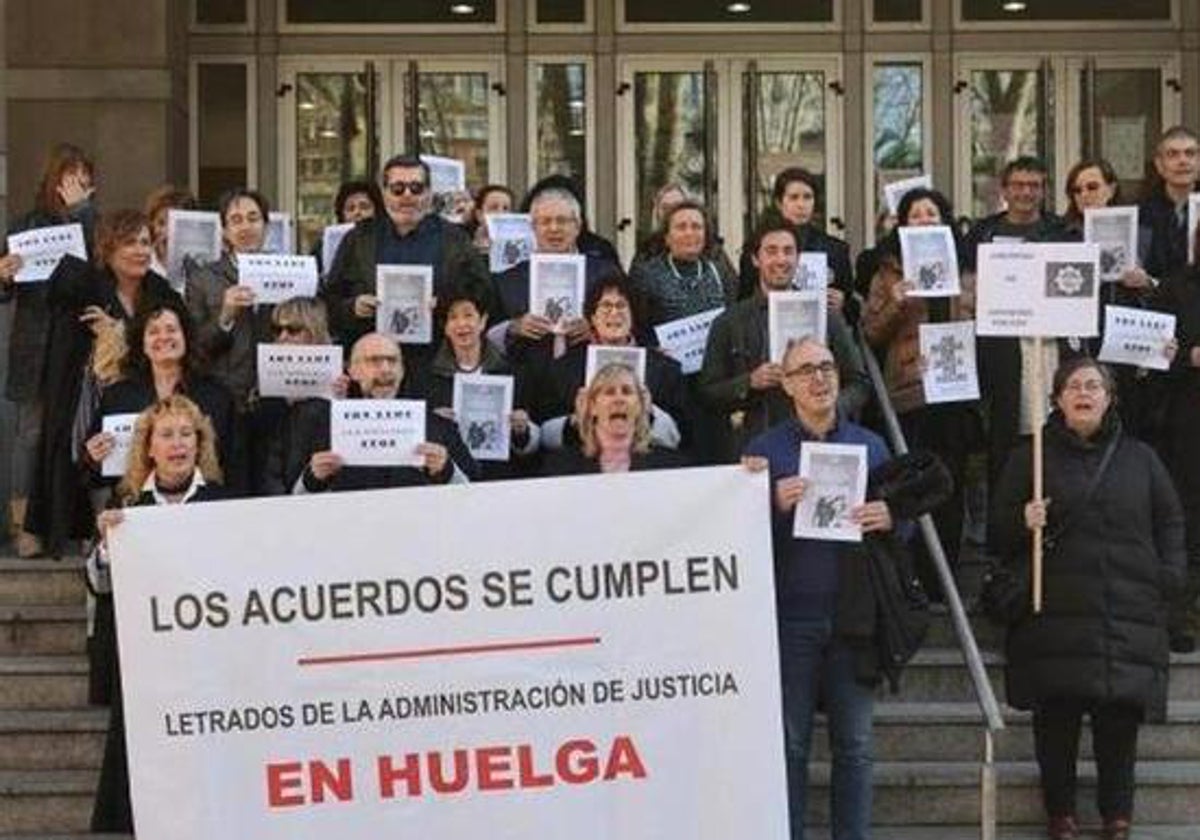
(172, 460)
(84, 300)
(1099, 646)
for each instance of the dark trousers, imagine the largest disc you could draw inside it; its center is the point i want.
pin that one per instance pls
(1056, 727)
(948, 432)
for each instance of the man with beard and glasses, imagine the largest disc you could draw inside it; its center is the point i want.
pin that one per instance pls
(306, 463)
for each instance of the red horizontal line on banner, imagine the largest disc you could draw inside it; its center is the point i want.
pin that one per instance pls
(457, 650)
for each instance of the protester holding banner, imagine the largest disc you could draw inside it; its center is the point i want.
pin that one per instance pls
(891, 323)
(815, 661)
(1114, 556)
(161, 361)
(611, 311)
(465, 350)
(739, 380)
(86, 300)
(309, 465)
(172, 460)
(612, 416)
(1163, 215)
(796, 194)
(64, 196)
(1006, 364)
(161, 200)
(405, 234)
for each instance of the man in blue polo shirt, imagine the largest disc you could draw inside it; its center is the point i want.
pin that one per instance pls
(806, 589)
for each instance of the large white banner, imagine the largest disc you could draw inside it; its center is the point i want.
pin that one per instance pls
(581, 657)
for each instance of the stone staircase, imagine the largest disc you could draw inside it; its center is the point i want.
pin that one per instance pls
(929, 738)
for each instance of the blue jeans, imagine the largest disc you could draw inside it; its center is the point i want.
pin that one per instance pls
(814, 665)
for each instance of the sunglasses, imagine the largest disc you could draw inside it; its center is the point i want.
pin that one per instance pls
(399, 188)
(289, 329)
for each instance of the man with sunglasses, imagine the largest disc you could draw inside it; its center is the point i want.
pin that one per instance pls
(407, 234)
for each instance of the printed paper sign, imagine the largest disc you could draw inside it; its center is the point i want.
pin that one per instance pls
(331, 239)
(446, 175)
(600, 356)
(1115, 230)
(930, 261)
(120, 426)
(1137, 337)
(413, 663)
(405, 310)
(684, 339)
(792, 316)
(948, 351)
(483, 404)
(193, 239)
(894, 192)
(277, 277)
(280, 237)
(556, 287)
(837, 483)
(40, 249)
(1033, 290)
(377, 433)
(812, 272)
(510, 238)
(298, 371)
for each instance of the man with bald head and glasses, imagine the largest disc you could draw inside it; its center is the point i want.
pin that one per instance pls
(815, 659)
(407, 234)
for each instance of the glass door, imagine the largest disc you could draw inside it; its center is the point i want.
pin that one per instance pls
(664, 118)
(1123, 104)
(680, 119)
(330, 130)
(1006, 110)
(787, 111)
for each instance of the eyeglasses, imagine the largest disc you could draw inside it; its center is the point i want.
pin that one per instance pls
(612, 306)
(398, 188)
(1090, 187)
(289, 329)
(811, 371)
(1089, 386)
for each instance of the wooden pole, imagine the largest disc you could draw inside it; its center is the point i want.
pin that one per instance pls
(1037, 411)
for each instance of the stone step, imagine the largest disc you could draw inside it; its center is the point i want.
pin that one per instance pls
(988, 636)
(919, 796)
(1005, 832)
(947, 793)
(940, 675)
(70, 739)
(41, 629)
(43, 682)
(954, 732)
(42, 581)
(45, 802)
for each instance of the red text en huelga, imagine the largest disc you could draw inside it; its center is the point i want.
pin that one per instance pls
(579, 761)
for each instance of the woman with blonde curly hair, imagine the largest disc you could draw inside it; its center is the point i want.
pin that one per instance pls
(612, 415)
(172, 460)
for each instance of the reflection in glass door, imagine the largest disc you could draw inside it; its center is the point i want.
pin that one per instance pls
(332, 145)
(1009, 113)
(669, 139)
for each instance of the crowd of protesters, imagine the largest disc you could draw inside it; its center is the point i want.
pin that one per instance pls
(109, 334)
